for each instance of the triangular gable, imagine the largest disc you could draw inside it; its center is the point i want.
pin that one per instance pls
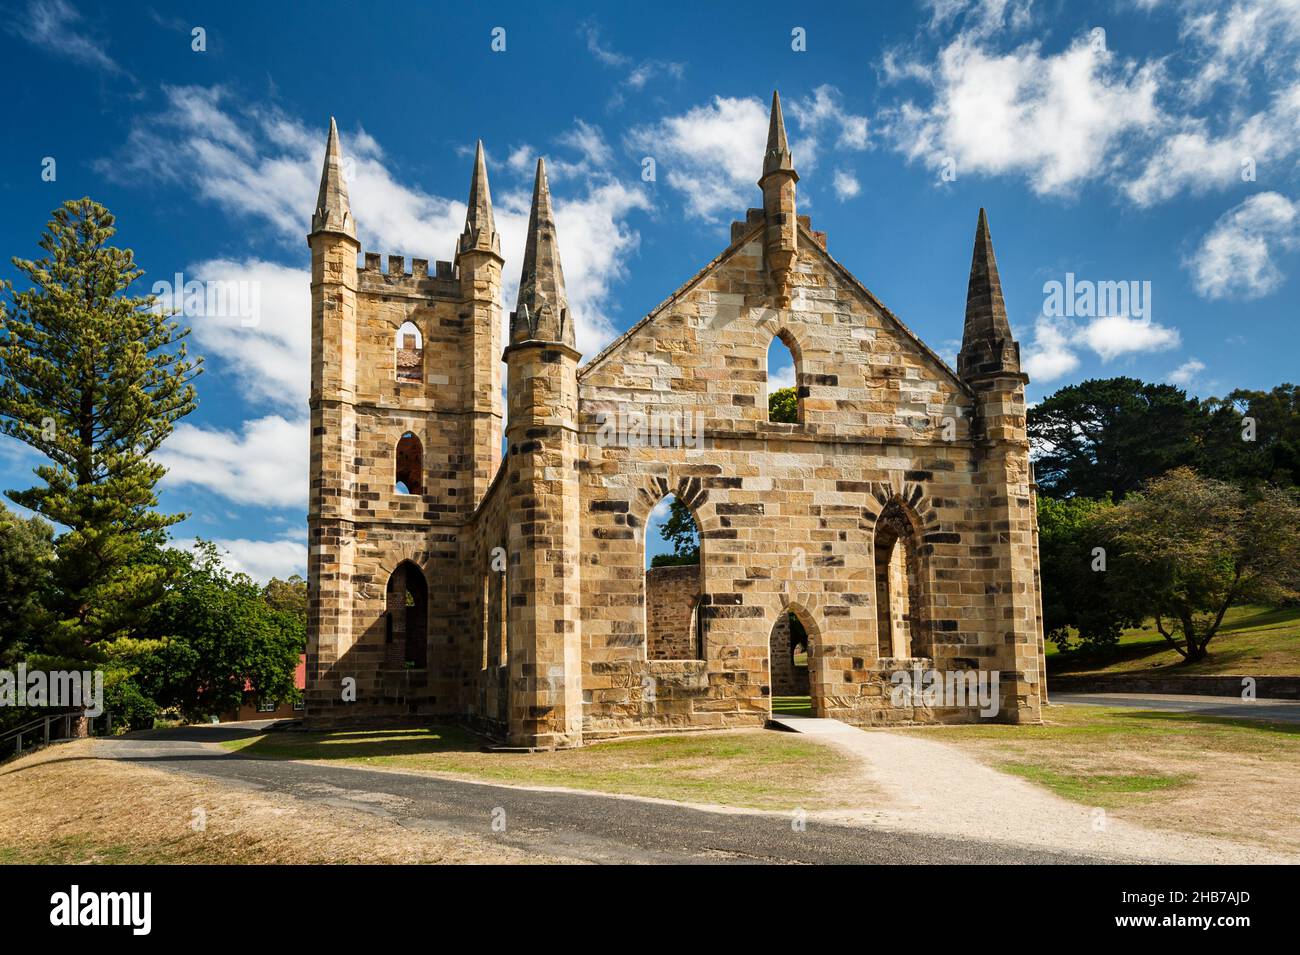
(851, 280)
(681, 290)
(866, 293)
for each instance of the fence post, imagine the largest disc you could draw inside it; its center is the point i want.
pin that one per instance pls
(47, 731)
(19, 750)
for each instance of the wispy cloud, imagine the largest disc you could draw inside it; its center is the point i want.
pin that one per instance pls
(637, 73)
(55, 26)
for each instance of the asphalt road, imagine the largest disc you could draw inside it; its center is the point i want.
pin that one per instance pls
(1281, 711)
(573, 825)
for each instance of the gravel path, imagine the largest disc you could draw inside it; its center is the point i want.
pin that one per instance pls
(937, 788)
(577, 825)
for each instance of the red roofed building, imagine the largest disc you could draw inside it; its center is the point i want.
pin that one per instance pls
(251, 709)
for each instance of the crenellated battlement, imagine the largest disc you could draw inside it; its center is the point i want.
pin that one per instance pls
(444, 281)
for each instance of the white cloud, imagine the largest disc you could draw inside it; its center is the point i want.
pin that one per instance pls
(1193, 158)
(260, 164)
(1232, 41)
(55, 25)
(846, 184)
(1114, 335)
(638, 73)
(1053, 352)
(263, 560)
(264, 464)
(260, 559)
(980, 17)
(997, 106)
(1049, 356)
(1186, 374)
(822, 111)
(1058, 119)
(713, 154)
(595, 247)
(1235, 259)
(782, 377)
(270, 357)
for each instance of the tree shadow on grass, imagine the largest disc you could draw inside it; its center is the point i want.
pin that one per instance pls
(363, 743)
(1258, 725)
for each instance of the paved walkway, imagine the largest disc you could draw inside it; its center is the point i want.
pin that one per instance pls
(1282, 711)
(937, 788)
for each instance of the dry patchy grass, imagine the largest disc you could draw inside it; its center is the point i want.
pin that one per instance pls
(758, 769)
(64, 805)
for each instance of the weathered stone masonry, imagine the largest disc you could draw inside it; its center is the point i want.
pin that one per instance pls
(895, 519)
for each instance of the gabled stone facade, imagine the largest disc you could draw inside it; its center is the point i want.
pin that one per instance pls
(895, 519)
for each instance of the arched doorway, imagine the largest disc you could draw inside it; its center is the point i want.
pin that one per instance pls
(790, 657)
(407, 618)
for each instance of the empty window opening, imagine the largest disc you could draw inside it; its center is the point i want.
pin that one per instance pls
(783, 404)
(498, 643)
(900, 625)
(675, 615)
(409, 477)
(410, 352)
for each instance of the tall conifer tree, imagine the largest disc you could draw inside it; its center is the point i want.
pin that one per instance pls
(94, 378)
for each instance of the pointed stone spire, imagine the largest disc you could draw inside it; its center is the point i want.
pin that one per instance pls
(542, 310)
(777, 158)
(781, 234)
(986, 344)
(333, 213)
(480, 233)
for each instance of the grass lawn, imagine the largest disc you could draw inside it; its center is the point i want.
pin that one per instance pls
(62, 805)
(1253, 641)
(751, 768)
(792, 706)
(1239, 779)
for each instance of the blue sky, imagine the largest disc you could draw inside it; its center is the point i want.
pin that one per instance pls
(1140, 141)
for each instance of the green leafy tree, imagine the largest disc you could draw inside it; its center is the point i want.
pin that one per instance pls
(783, 405)
(1191, 547)
(1083, 608)
(94, 378)
(218, 637)
(680, 531)
(1106, 437)
(287, 595)
(1253, 437)
(26, 561)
